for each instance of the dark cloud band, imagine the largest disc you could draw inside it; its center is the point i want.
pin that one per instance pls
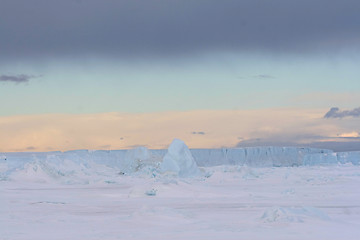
(131, 27)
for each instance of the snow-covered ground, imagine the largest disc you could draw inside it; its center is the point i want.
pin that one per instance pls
(144, 197)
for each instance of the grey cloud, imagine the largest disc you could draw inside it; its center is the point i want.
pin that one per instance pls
(137, 28)
(22, 78)
(264, 76)
(337, 113)
(337, 146)
(260, 76)
(270, 141)
(199, 133)
(281, 139)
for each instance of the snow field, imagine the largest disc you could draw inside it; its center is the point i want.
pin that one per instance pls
(143, 194)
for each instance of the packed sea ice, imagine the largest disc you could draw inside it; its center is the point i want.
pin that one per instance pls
(253, 193)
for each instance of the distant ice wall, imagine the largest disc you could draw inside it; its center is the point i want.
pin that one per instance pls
(254, 157)
(349, 157)
(332, 158)
(321, 159)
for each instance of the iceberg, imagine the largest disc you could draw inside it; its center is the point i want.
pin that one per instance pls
(179, 160)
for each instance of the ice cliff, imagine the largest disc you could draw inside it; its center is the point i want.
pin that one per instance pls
(178, 160)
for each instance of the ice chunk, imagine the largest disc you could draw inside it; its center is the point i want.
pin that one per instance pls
(178, 160)
(151, 192)
(133, 159)
(139, 159)
(35, 171)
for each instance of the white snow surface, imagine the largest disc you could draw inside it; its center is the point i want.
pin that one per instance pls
(307, 202)
(252, 193)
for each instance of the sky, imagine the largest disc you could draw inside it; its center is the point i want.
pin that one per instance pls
(115, 74)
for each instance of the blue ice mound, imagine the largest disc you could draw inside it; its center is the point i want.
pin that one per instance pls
(179, 160)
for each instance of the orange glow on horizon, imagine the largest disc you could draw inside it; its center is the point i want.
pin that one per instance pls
(199, 129)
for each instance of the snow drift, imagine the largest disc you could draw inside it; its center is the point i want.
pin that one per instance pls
(293, 214)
